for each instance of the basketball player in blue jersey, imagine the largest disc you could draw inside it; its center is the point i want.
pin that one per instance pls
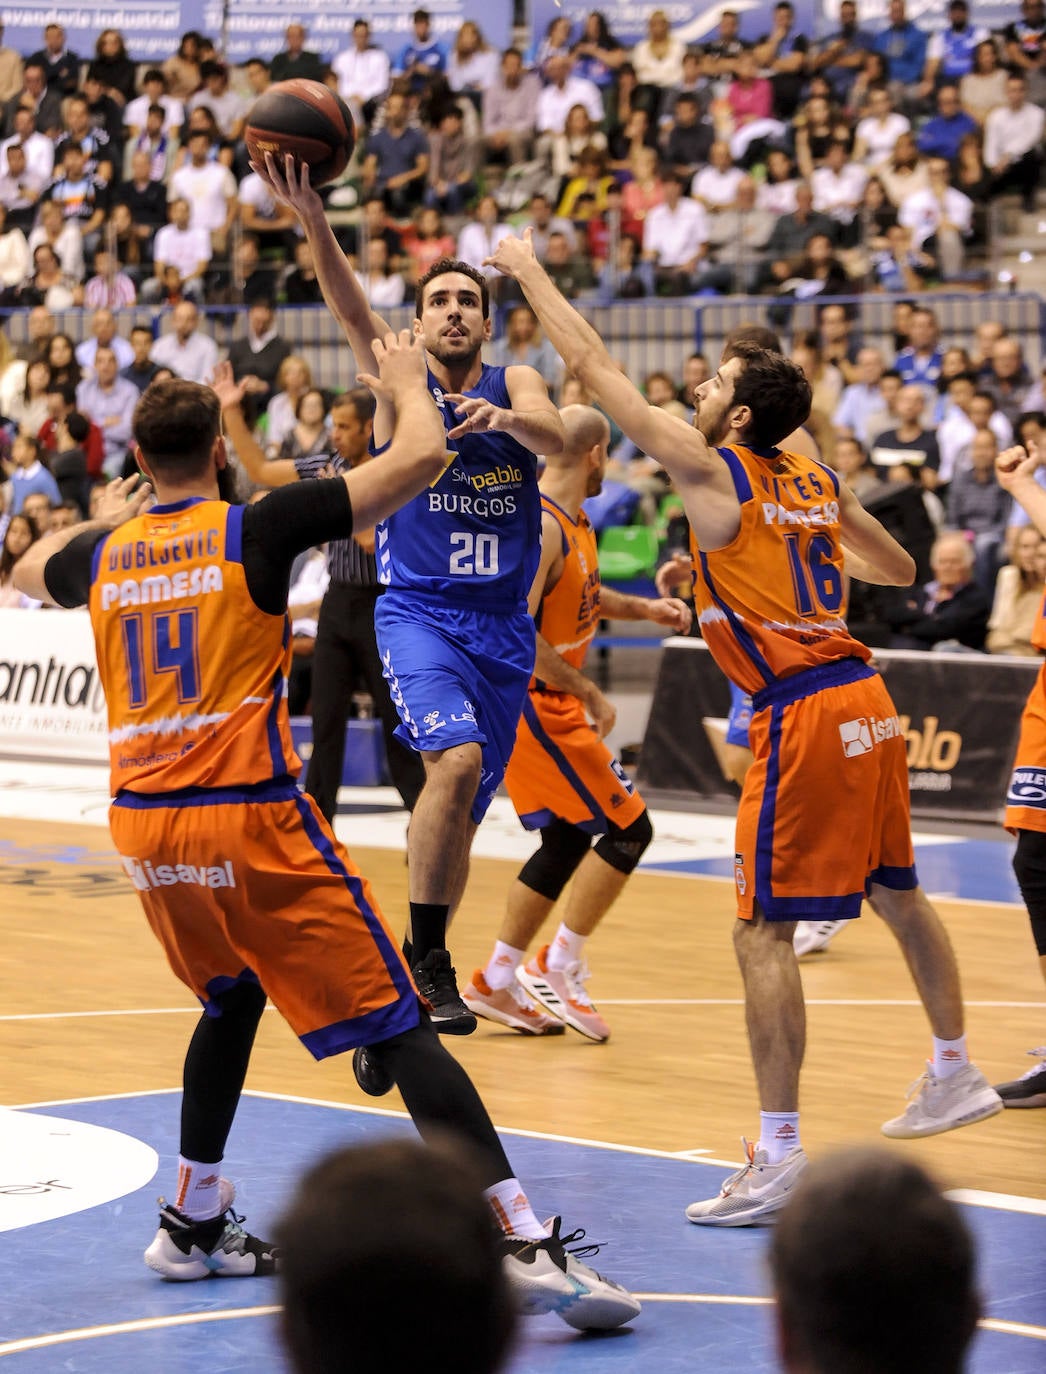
(456, 639)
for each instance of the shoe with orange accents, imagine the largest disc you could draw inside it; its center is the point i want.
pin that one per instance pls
(562, 993)
(754, 1193)
(509, 1007)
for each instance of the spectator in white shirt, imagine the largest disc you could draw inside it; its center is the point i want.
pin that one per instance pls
(228, 106)
(675, 238)
(877, 134)
(715, 187)
(382, 287)
(940, 218)
(63, 235)
(154, 87)
(838, 187)
(562, 92)
(108, 400)
(20, 189)
(103, 335)
(509, 107)
(210, 189)
(1012, 143)
(188, 251)
(39, 149)
(272, 222)
(362, 72)
(480, 238)
(189, 353)
(862, 400)
(658, 58)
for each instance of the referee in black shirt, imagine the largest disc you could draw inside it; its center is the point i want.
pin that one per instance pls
(346, 652)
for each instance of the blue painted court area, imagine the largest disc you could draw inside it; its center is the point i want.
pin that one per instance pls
(84, 1272)
(973, 869)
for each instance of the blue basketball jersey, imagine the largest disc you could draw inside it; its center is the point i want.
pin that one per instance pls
(473, 538)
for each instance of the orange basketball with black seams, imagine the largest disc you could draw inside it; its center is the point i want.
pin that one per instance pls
(306, 119)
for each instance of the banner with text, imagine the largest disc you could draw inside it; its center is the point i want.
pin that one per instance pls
(51, 701)
(959, 713)
(251, 28)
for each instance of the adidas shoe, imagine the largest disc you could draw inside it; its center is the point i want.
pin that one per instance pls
(373, 1078)
(547, 1277)
(184, 1249)
(437, 983)
(1030, 1089)
(509, 1007)
(562, 992)
(754, 1193)
(811, 936)
(943, 1104)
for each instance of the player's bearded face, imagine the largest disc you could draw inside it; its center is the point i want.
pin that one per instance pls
(452, 320)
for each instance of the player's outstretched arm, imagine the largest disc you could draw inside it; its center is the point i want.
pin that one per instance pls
(532, 419)
(279, 472)
(871, 553)
(677, 446)
(417, 453)
(1015, 470)
(123, 499)
(662, 610)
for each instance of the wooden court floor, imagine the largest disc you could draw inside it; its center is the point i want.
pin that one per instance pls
(88, 1007)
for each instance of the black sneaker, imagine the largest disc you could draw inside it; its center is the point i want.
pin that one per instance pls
(184, 1249)
(1030, 1089)
(437, 984)
(373, 1078)
(546, 1276)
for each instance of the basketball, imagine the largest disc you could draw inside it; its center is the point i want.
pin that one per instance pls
(307, 120)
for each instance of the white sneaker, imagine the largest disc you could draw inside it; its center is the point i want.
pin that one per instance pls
(546, 1277)
(509, 1007)
(754, 1193)
(942, 1104)
(562, 992)
(184, 1249)
(810, 936)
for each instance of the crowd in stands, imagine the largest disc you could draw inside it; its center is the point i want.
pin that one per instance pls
(787, 167)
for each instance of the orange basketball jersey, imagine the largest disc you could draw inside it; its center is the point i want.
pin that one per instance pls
(773, 602)
(193, 670)
(569, 614)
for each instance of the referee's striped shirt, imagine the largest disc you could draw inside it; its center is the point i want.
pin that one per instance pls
(348, 564)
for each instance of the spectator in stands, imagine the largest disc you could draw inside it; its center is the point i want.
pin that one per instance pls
(658, 63)
(154, 92)
(28, 473)
(61, 67)
(14, 254)
(852, 463)
(904, 171)
(839, 56)
(522, 345)
(950, 609)
(597, 52)
(1018, 596)
(791, 234)
(423, 56)
(383, 286)
(296, 60)
(480, 237)
(49, 285)
(818, 271)
(157, 146)
(563, 91)
(736, 239)
(363, 73)
(248, 278)
(210, 189)
(572, 273)
(719, 57)
(715, 187)
(183, 69)
(509, 109)
(273, 223)
(397, 161)
(82, 196)
(228, 107)
(941, 135)
(675, 239)
(862, 399)
(189, 354)
(984, 88)
(585, 194)
(106, 115)
(555, 43)
(65, 516)
(61, 359)
(957, 427)
(10, 70)
(293, 380)
(1025, 38)
(27, 408)
(100, 160)
(778, 187)
(63, 236)
(103, 335)
(826, 381)
(472, 64)
(1008, 379)
(425, 242)
(141, 370)
(903, 45)
(45, 106)
(453, 165)
(579, 133)
(112, 67)
(979, 507)
(309, 435)
(19, 536)
(909, 444)
(816, 127)
(38, 147)
(1012, 143)
(108, 400)
(838, 188)
(109, 286)
(941, 220)
(375, 224)
(302, 286)
(867, 1233)
(259, 355)
(690, 138)
(20, 189)
(38, 508)
(920, 360)
(782, 52)
(899, 266)
(950, 51)
(749, 96)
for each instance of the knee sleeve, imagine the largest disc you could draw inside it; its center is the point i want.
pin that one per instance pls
(548, 871)
(1029, 867)
(622, 849)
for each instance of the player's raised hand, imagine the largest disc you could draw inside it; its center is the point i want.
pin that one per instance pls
(229, 391)
(122, 499)
(674, 571)
(513, 255)
(670, 611)
(401, 365)
(1014, 465)
(477, 416)
(289, 181)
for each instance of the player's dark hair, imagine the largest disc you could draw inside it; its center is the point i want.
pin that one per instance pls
(775, 391)
(361, 400)
(441, 269)
(867, 1233)
(758, 335)
(78, 426)
(175, 425)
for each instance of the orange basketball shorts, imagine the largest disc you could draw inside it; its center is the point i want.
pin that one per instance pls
(561, 770)
(251, 884)
(824, 808)
(1026, 798)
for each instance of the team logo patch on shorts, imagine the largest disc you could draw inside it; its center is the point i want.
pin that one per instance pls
(856, 737)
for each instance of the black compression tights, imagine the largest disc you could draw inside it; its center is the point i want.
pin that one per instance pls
(215, 1067)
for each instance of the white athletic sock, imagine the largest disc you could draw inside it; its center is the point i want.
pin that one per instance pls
(512, 1210)
(501, 970)
(778, 1134)
(198, 1190)
(565, 949)
(949, 1056)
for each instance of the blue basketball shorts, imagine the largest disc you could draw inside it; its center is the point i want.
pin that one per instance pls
(456, 677)
(740, 717)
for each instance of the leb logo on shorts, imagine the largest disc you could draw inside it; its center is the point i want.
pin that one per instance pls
(856, 737)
